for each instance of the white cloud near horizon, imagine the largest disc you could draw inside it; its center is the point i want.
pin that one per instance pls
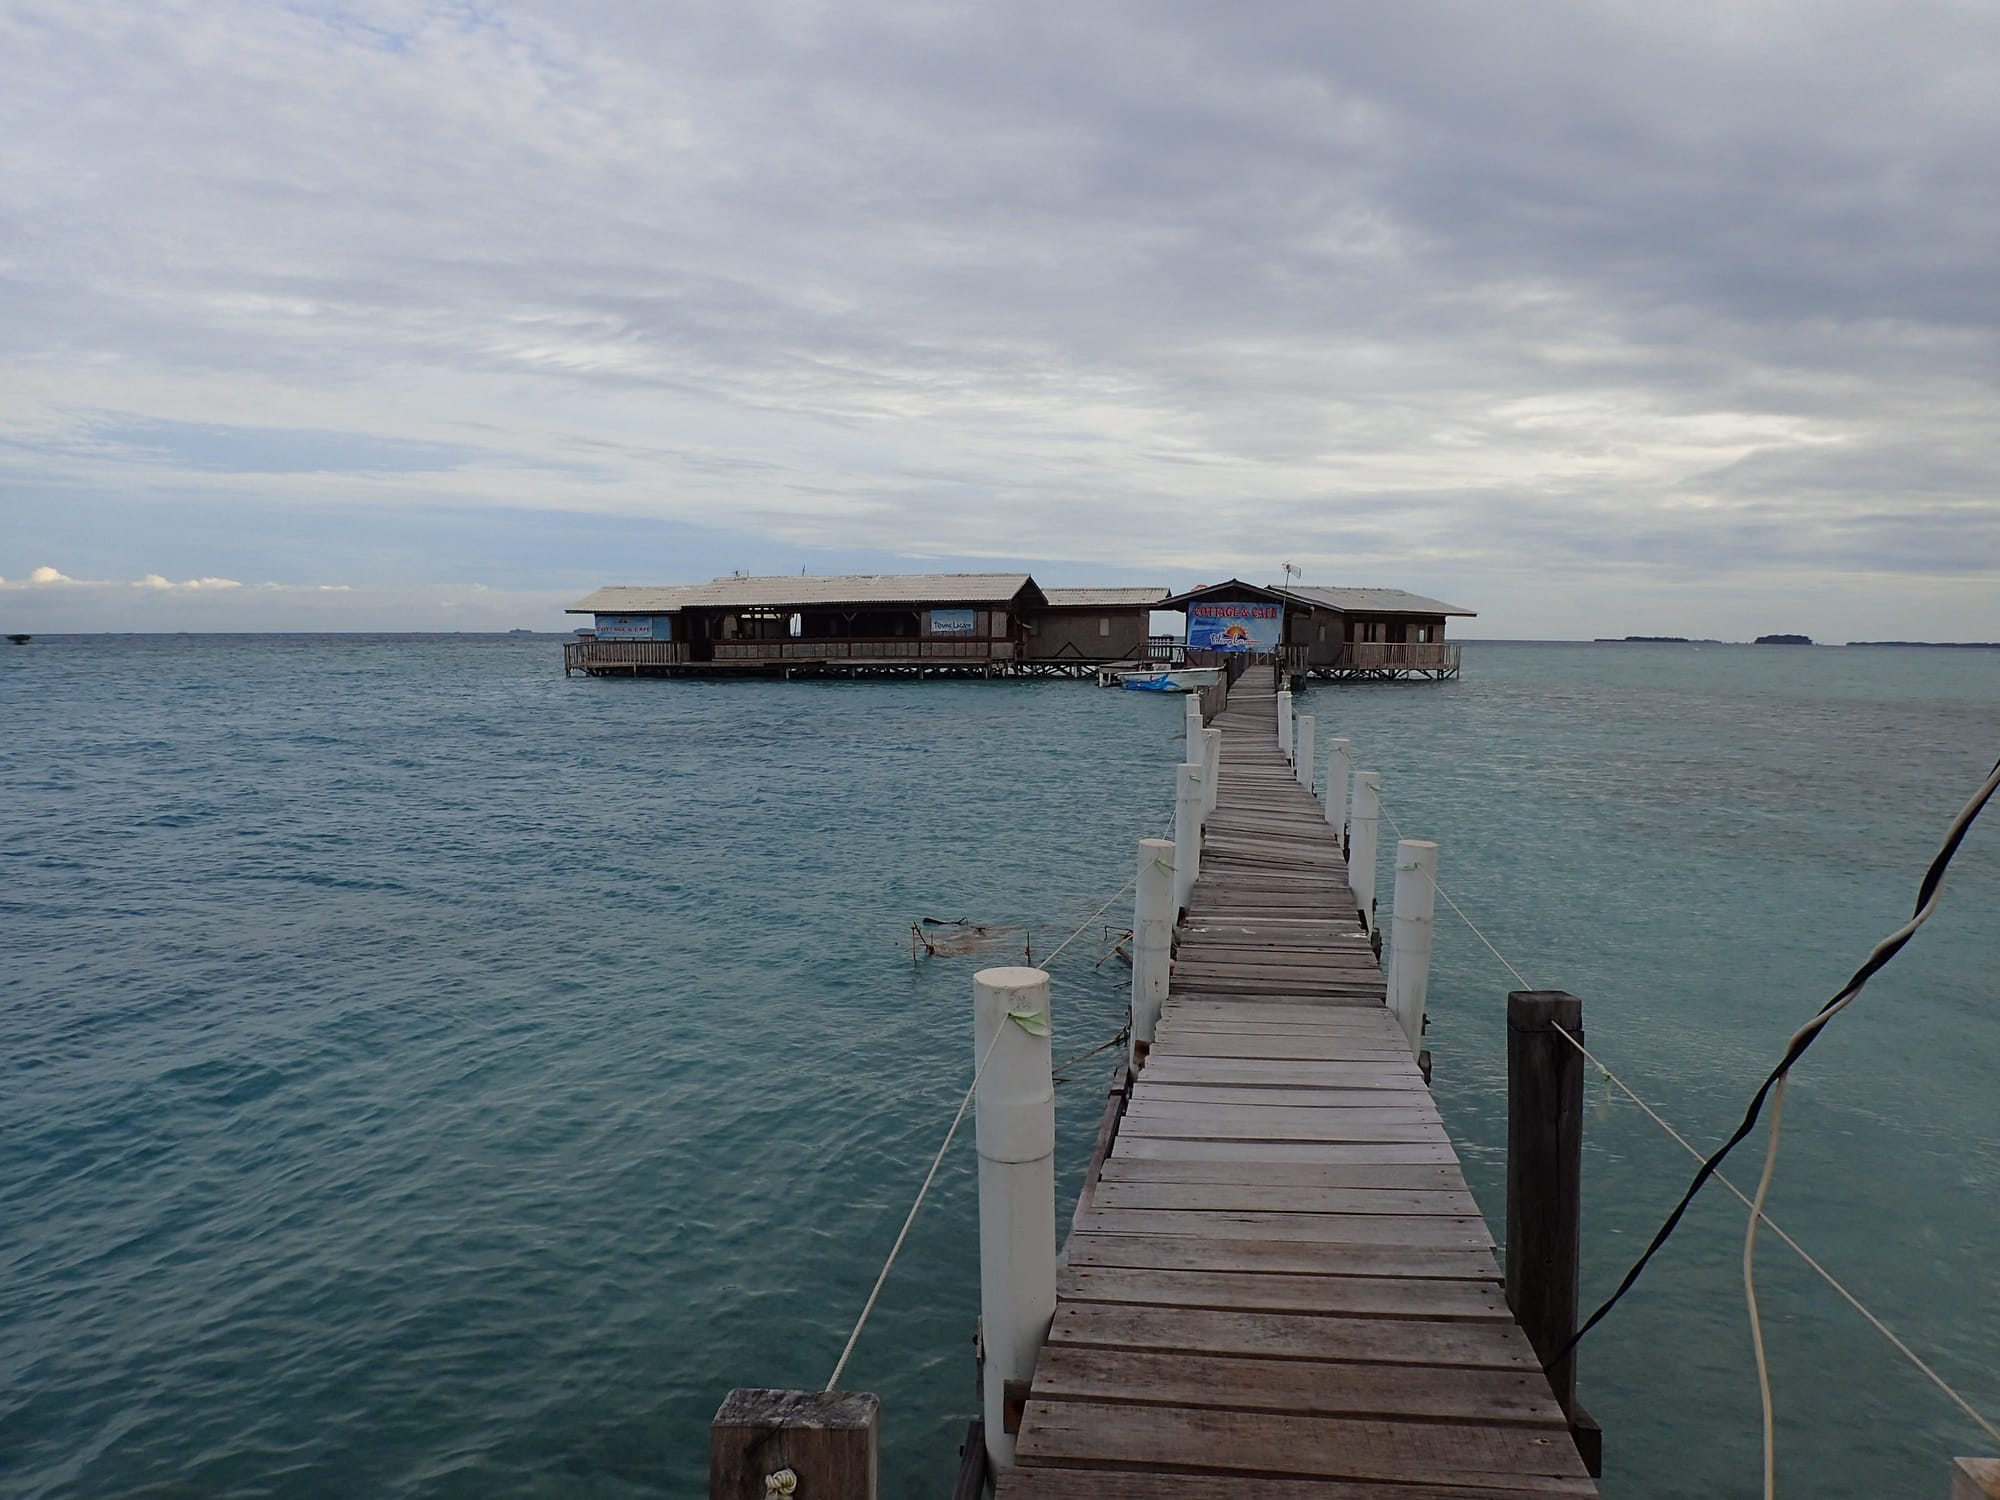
(1600, 318)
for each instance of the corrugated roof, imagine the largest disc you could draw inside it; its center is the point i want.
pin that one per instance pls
(790, 590)
(1102, 598)
(1385, 601)
(1226, 586)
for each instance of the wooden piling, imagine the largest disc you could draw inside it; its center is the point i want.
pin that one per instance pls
(1152, 941)
(829, 1442)
(1545, 1175)
(1014, 1119)
(1410, 927)
(1362, 833)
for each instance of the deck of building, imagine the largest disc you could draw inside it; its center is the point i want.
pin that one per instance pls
(1278, 1286)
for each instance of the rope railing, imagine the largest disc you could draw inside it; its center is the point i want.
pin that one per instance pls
(1755, 1206)
(951, 1133)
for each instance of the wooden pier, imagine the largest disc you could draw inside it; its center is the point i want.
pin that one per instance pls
(1277, 1285)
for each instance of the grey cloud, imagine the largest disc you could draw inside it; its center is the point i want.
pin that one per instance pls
(1522, 290)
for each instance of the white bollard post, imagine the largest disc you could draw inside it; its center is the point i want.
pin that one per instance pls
(1308, 726)
(1152, 940)
(1285, 722)
(1194, 728)
(1410, 935)
(1015, 1120)
(1211, 772)
(1187, 833)
(1339, 772)
(1361, 842)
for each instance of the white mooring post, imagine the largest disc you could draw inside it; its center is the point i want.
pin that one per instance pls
(1410, 935)
(1361, 842)
(1211, 771)
(1015, 1120)
(1339, 772)
(1187, 833)
(1194, 728)
(1152, 940)
(1308, 725)
(1285, 721)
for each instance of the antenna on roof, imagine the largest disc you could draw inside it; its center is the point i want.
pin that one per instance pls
(1292, 570)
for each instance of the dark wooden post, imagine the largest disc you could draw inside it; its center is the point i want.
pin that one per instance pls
(829, 1441)
(1544, 1175)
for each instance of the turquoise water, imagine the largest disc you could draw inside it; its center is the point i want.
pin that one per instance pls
(423, 1075)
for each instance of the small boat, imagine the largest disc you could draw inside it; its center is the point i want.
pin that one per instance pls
(1160, 679)
(20, 640)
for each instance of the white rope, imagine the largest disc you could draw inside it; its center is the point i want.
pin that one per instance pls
(956, 1120)
(1756, 1205)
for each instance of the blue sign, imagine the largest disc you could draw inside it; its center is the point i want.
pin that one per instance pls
(954, 621)
(1234, 627)
(635, 627)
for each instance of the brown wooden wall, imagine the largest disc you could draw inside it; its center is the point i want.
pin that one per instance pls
(1073, 633)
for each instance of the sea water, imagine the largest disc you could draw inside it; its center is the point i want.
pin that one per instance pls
(423, 1075)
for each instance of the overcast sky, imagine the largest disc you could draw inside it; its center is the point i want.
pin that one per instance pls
(1596, 318)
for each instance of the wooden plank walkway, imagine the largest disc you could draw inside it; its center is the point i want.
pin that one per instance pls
(1279, 1287)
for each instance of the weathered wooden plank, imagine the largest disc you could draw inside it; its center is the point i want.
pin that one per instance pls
(1412, 1095)
(1170, 1148)
(1041, 1483)
(1302, 1257)
(1284, 1198)
(1198, 1439)
(1393, 1073)
(1301, 1049)
(1273, 1335)
(1232, 1382)
(1252, 1291)
(1432, 1231)
(1439, 1176)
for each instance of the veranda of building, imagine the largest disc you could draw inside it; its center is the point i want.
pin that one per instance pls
(1345, 633)
(974, 624)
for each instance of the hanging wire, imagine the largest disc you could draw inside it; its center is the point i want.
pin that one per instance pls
(1928, 897)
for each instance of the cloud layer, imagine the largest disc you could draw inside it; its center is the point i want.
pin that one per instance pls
(1548, 308)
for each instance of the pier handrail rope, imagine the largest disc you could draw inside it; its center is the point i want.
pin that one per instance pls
(956, 1120)
(1756, 1205)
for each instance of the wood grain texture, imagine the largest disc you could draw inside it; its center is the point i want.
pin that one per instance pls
(1277, 1286)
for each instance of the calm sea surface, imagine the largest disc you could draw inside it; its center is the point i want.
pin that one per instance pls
(421, 1075)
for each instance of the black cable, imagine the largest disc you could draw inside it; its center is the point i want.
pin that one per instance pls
(1885, 951)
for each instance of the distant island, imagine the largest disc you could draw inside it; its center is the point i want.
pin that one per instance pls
(1784, 640)
(1937, 645)
(1654, 640)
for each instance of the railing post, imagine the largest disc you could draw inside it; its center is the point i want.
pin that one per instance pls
(1361, 842)
(828, 1441)
(1544, 1175)
(1308, 725)
(1285, 721)
(1152, 940)
(1187, 832)
(1211, 771)
(1410, 935)
(1194, 727)
(1015, 1120)
(1339, 772)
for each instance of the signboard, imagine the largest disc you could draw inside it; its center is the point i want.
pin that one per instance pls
(1234, 627)
(953, 621)
(635, 627)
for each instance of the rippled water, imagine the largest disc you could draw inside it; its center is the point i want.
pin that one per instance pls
(423, 1075)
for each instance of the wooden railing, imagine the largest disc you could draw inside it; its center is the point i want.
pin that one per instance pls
(1425, 656)
(891, 648)
(585, 656)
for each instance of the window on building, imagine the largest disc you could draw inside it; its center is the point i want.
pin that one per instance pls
(1423, 634)
(1104, 624)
